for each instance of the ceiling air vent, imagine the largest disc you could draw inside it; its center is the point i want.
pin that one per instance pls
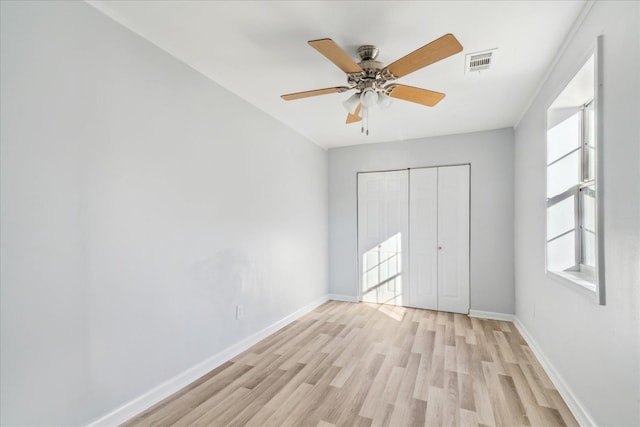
(479, 61)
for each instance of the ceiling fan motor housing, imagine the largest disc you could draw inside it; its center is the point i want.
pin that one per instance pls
(371, 67)
(370, 75)
(367, 52)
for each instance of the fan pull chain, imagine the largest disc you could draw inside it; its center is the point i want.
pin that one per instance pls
(364, 128)
(367, 124)
(367, 114)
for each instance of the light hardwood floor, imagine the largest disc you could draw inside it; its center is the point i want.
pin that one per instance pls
(348, 364)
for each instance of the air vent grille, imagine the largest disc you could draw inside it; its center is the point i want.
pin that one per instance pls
(479, 61)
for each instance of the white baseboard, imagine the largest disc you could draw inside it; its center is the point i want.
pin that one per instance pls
(491, 315)
(166, 389)
(576, 408)
(345, 298)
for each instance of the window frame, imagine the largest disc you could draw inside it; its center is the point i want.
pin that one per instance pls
(587, 277)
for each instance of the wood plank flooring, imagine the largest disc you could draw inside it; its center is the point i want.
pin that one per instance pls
(348, 364)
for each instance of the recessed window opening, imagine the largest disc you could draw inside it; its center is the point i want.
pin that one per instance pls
(572, 234)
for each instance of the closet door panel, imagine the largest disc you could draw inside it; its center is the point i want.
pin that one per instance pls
(423, 239)
(453, 239)
(383, 227)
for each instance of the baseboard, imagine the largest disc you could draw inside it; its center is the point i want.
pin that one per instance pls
(166, 389)
(576, 408)
(491, 315)
(345, 298)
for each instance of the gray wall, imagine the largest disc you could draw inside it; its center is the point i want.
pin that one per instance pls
(491, 157)
(140, 203)
(594, 348)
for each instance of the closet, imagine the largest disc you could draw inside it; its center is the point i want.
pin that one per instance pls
(413, 237)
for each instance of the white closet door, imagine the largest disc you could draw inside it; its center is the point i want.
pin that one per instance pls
(453, 239)
(423, 241)
(383, 228)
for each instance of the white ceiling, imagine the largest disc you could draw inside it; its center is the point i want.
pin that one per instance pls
(258, 50)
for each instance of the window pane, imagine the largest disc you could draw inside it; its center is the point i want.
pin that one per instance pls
(588, 248)
(590, 142)
(563, 138)
(561, 252)
(591, 167)
(563, 175)
(588, 209)
(561, 217)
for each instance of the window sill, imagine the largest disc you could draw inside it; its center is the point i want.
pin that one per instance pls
(582, 279)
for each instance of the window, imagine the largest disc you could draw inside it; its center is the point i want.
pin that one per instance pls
(570, 195)
(572, 231)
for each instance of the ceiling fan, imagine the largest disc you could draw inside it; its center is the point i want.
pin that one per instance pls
(369, 77)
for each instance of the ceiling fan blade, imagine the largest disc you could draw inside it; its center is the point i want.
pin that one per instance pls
(355, 117)
(438, 49)
(337, 55)
(298, 95)
(414, 94)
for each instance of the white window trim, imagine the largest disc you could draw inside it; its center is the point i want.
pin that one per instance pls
(580, 279)
(573, 279)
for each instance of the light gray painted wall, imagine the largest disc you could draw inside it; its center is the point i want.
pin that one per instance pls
(491, 157)
(594, 348)
(140, 203)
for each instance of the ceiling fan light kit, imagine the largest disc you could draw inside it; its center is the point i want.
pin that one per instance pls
(368, 98)
(351, 103)
(369, 76)
(384, 100)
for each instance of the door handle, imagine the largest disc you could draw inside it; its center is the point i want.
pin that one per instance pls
(439, 248)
